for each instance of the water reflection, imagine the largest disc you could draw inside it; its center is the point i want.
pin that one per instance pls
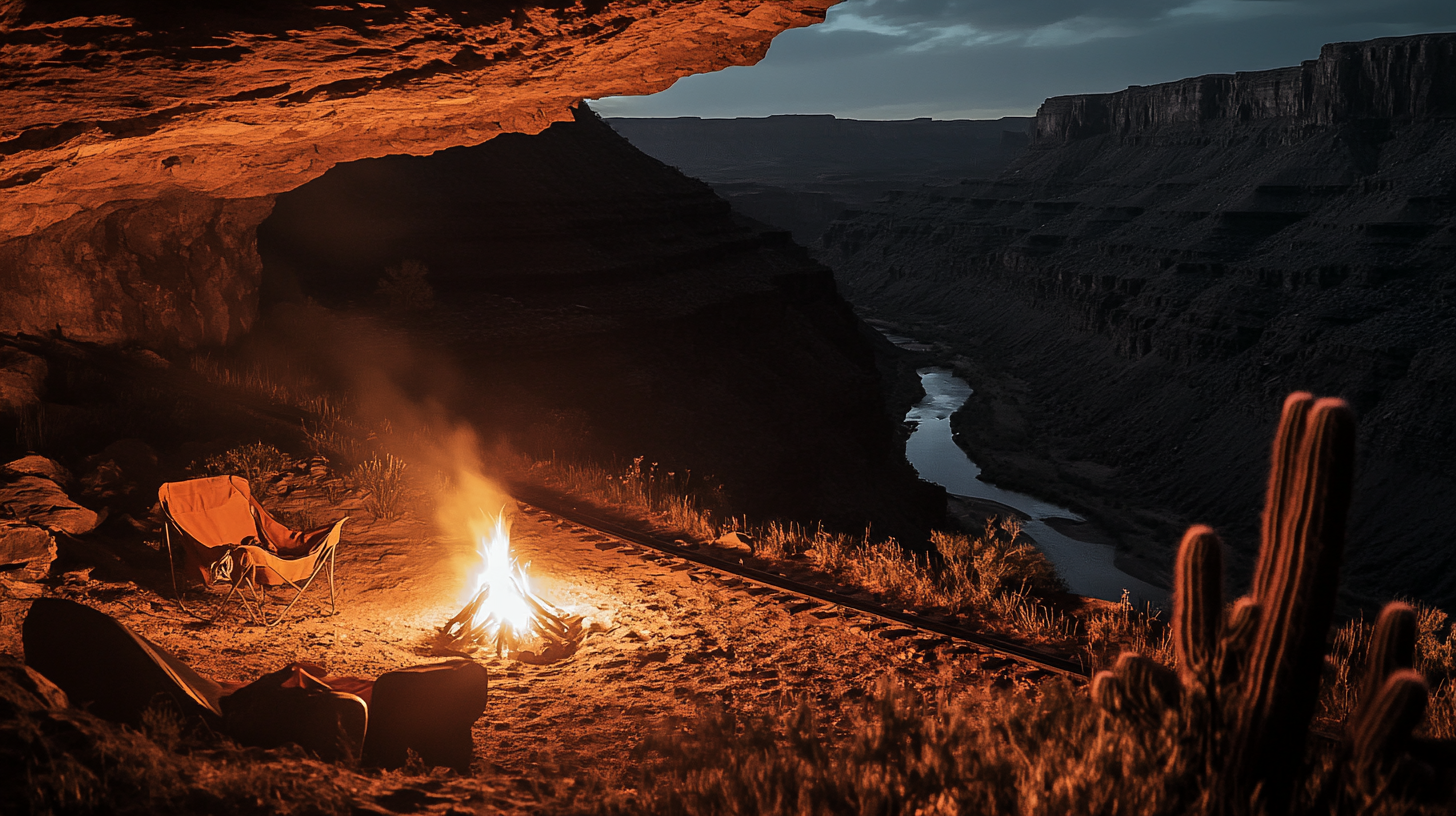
(1087, 568)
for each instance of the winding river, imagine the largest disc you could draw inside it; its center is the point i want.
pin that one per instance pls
(1087, 568)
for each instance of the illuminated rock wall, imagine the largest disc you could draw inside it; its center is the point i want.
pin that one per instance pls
(141, 142)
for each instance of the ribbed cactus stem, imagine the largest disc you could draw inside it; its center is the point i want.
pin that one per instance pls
(1277, 498)
(1392, 647)
(1385, 725)
(1198, 604)
(1137, 687)
(1295, 583)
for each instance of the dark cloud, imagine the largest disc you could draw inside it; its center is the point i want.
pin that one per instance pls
(1000, 15)
(980, 58)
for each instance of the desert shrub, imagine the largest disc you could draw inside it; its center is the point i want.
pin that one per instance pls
(381, 479)
(405, 286)
(258, 462)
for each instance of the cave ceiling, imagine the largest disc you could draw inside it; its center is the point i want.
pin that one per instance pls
(107, 101)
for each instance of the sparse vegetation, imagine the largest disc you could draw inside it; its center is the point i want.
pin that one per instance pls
(381, 479)
(995, 577)
(258, 462)
(406, 288)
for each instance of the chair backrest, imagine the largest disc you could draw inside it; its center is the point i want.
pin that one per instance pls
(216, 511)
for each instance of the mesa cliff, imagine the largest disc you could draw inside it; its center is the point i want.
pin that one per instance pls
(141, 143)
(1163, 264)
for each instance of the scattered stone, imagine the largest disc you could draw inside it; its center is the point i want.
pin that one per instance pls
(25, 689)
(20, 590)
(737, 540)
(22, 543)
(896, 633)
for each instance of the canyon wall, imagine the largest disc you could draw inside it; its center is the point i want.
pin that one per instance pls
(141, 141)
(800, 172)
(591, 302)
(1141, 288)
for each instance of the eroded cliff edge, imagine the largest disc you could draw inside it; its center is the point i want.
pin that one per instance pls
(1165, 263)
(141, 142)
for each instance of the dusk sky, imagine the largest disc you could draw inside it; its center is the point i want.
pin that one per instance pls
(980, 59)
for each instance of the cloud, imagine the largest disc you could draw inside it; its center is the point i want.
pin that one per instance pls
(986, 58)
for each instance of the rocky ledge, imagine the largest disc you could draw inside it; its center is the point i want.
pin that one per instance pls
(141, 143)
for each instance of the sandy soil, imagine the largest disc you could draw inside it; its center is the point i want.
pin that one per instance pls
(673, 638)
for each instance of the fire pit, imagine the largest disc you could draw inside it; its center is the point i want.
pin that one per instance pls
(504, 612)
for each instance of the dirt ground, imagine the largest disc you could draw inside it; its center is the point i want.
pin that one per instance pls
(670, 639)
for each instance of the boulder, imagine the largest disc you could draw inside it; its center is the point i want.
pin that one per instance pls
(23, 689)
(427, 710)
(22, 543)
(40, 466)
(43, 503)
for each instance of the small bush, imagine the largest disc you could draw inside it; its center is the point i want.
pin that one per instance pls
(404, 287)
(382, 480)
(258, 463)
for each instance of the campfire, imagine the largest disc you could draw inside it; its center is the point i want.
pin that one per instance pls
(503, 610)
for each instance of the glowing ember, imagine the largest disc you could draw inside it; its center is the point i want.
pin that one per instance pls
(503, 609)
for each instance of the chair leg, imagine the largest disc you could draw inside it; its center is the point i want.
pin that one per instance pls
(333, 607)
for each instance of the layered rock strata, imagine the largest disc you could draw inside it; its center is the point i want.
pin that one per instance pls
(1165, 263)
(589, 301)
(141, 142)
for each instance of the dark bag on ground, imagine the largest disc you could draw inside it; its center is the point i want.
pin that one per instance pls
(428, 710)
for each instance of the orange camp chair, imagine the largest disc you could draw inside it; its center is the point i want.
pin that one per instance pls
(226, 535)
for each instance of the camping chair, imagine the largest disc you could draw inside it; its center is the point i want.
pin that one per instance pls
(226, 535)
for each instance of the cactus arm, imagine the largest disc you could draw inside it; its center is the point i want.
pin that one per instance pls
(1198, 605)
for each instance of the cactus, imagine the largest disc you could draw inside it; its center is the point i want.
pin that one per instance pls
(1250, 679)
(1198, 605)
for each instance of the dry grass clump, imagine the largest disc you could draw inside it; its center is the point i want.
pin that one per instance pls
(289, 387)
(908, 752)
(995, 577)
(381, 479)
(1346, 663)
(669, 496)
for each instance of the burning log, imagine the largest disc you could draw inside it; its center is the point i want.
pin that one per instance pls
(504, 610)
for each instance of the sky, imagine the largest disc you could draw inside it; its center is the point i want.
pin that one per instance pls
(983, 59)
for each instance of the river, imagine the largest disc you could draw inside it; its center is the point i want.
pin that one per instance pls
(1087, 568)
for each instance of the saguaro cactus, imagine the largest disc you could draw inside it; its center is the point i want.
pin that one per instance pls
(1249, 678)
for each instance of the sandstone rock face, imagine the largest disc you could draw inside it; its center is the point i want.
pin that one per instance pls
(141, 142)
(1164, 264)
(1397, 78)
(22, 381)
(43, 503)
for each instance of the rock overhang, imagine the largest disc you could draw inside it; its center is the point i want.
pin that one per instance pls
(142, 141)
(107, 100)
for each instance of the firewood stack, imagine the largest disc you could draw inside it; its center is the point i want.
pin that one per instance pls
(559, 632)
